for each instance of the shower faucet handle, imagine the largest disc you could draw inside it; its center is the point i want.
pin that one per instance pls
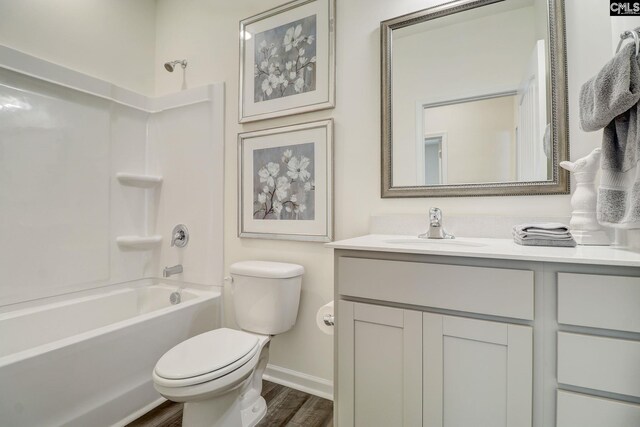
(180, 236)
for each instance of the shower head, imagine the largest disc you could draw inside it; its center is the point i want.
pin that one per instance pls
(170, 66)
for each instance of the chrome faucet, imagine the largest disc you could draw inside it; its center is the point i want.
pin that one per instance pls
(170, 271)
(436, 230)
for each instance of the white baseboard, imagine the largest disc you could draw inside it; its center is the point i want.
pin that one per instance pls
(299, 381)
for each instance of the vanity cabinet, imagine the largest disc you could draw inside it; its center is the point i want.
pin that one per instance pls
(411, 367)
(438, 340)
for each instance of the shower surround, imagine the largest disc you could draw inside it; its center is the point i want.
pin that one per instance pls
(93, 177)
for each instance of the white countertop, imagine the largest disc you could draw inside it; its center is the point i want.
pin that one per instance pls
(491, 248)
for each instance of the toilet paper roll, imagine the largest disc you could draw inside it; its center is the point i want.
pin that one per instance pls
(325, 310)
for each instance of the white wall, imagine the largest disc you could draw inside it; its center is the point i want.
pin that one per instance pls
(110, 39)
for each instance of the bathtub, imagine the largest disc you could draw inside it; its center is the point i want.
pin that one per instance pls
(86, 360)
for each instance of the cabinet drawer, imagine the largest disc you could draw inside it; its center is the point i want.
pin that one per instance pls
(585, 411)
(609, 302)
(598, 363)
(493, 291)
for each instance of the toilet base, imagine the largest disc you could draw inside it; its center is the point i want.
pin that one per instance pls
(252, 415)
(223, 411)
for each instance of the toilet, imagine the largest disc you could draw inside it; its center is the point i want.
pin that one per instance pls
(218, 374)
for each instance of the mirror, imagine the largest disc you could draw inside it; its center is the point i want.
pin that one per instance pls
(474, 100)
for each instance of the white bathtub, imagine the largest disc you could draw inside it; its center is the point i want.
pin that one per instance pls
(87, 360)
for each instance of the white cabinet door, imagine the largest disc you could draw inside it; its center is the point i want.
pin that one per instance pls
(476, 373)
(379, 366)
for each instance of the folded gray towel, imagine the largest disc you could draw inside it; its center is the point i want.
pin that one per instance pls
(610, 101)
(549, 230)
(561, 243)
(543, 234)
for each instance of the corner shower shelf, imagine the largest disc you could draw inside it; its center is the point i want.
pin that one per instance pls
(138, 242)
(138, 180)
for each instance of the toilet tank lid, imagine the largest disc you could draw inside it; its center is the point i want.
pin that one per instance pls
(266, 269)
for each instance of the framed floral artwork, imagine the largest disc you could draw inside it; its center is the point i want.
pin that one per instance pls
(286, 182)
(287, 60)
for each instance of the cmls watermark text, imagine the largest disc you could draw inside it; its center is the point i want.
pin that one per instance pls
(624, 8)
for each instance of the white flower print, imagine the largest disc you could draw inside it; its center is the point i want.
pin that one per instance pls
(266, 87)
(286, 156)
(284, 183)
(281, 193)
(288, 39)
(298, 168)
(273, 80)
(273, 168)
(282, 186)
(268, 173)
(263, 173)
(285, 62)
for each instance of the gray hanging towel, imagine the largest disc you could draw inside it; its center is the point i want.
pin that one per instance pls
(610, 101)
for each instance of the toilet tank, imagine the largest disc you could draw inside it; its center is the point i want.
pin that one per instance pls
(266, 295)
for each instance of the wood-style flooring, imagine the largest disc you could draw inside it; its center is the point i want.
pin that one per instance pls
(285, 407)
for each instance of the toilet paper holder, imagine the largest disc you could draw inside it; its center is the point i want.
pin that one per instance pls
(329, 319)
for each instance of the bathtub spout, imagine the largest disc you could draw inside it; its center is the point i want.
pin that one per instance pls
(170, 271)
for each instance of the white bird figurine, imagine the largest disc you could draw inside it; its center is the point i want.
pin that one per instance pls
(584, 225)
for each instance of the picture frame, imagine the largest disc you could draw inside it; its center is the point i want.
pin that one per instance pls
(287, 60)
(285, 179)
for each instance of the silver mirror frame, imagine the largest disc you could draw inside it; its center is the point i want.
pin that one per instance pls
(559, 184)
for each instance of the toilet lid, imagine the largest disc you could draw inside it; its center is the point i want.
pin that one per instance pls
(205, 353)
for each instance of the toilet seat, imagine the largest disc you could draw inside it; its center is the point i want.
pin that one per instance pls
(205, 357)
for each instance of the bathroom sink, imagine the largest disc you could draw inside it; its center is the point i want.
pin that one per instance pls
(426, 242)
